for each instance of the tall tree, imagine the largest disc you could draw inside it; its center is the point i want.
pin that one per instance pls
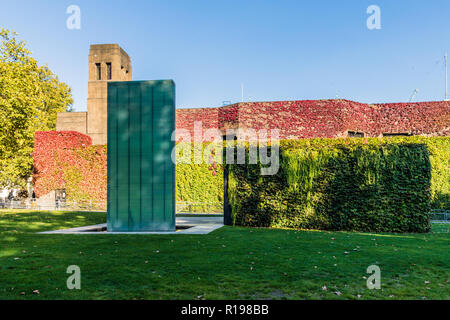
(30, 98)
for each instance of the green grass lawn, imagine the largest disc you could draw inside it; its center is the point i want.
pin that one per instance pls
(230, 263)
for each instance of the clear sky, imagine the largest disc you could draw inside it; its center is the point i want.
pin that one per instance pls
(280, 50)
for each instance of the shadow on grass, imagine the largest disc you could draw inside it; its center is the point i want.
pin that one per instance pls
(22, 221)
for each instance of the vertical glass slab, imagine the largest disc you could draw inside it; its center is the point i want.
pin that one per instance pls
(141, 174)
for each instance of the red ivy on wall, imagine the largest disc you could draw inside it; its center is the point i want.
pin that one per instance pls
(324, 118)
(67, 160)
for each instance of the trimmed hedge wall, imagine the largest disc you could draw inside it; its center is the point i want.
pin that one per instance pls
(439, 149)
(83, 172)
(199, 183)
(371, 185)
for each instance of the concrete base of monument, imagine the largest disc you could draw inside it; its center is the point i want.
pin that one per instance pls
(184, 225)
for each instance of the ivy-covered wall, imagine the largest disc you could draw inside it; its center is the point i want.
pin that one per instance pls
(324, 118)
(67, 160)
(439, 150)
(368, 185)
(199, 183)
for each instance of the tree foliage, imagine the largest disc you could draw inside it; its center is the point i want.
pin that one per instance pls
(30, 98)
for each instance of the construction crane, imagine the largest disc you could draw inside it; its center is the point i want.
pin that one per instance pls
(446, 79)
(416, 91)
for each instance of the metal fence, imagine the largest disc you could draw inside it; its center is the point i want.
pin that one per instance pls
(91, 205)
(440, 215)
(36, 204)
(199, 207)
(437, 215)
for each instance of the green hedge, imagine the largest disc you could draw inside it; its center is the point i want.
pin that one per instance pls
(439, 149)
(199, 184)
(374, 185)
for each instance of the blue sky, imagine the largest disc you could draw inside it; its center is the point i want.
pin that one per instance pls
(280, 50)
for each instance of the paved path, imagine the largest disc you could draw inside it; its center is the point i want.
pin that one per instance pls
(196, 225)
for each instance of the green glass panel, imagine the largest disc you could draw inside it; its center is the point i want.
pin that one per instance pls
(141, 174)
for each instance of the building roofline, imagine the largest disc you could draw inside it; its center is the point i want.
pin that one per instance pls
(319, 100)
